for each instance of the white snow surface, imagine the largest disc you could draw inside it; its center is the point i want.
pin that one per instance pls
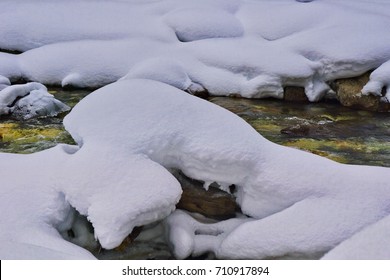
(223, 46)
(379, 80)
(131, 131)
(369, 244)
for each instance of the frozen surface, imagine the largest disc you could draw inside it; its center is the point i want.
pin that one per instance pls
(225, 47)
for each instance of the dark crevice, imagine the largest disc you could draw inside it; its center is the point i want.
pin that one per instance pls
(10, 51)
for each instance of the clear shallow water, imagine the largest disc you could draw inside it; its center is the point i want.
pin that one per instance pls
(326, 129)
(40, 133)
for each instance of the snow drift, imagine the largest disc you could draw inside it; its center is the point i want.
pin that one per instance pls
(131, 131)
(236, 48)
(153, 126)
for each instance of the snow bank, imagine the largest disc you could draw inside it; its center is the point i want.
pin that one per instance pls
(279, 187)
(301, 205)
(33, 211)
(28, 101)
(131, 129)
(225, 47)
(369, 244)
(379, 80)
(4, 82)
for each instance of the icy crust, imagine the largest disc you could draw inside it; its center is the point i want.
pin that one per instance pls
(28, 100)
(224, 47)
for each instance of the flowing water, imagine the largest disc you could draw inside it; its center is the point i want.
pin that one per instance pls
(327, 129)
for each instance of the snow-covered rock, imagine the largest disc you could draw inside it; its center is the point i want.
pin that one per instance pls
(379, 81)
(29, 100)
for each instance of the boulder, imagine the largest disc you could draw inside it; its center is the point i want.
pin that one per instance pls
(348, 92)
(212, 203)
(295, 94)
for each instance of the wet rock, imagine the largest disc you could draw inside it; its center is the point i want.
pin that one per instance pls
(295, 94)
(129, 239)
(348, 92)
(213, 203)
(139, 250)
(297, 130)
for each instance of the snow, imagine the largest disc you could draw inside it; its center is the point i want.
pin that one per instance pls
(29, 100)
(33, 211)
(369, 244)
(130, 132)
(379, 81)
(236, 48)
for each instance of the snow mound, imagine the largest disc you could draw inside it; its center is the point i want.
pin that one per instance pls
(131, 129)
(214, 24)
(372, 243)
(29, 100)
(225, 47)
(33, 211)
(279, 187)
(136, 127)
(379, 80)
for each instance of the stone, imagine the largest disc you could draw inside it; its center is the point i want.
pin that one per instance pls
(297, 130)
(295, 94)
(213, 203)
(348, 92)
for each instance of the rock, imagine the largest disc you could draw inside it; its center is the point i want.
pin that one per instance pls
(295, 94)
(348, 92)
(29, 100)
(129, 239)
(297, 130)
(213, 203)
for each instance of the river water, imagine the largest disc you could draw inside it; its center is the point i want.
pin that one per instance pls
(327, 129)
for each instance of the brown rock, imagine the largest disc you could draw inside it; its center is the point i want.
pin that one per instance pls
(348, 91)
(297, 130)
(295, 94)
(213, 203)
